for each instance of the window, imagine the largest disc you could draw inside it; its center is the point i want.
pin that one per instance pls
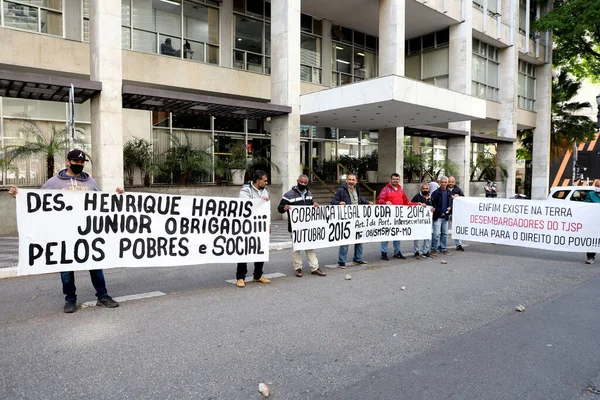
(427, 58)
(354, 56)
(485, 70)
(526, 93)
(41, 16)
(310, 49)
(175, 28)
(252, 36)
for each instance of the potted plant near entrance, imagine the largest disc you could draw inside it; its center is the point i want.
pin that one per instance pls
(237, 164)
(371, 165)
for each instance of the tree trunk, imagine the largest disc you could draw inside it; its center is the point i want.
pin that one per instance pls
(185, 178)
(146, 179)
(49, 167)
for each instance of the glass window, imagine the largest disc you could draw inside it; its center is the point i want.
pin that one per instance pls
(255, 7)
(238, 6)
(414, 45)
(435, 63)
(412, 67)
(125, 12)
(342, 58)
(429, 41)
(196, 22)
(306, 23)
(371, 42)
(359, 39)
(168, 18)
(40, 16)
(310, 50)
(485, 71)
(201, 122)
(317, 27)
(229, 124)
(144, 41)
(248, 34)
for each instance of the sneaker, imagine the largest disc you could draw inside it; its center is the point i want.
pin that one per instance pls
(240, 283)
(400, 256)
(360, 262)
(433, 252)
(384, 256)
(70, 307)
(319, 272)
(299, 273)
(589, 261)
(444, 251)
(107, 302)
(262, 279)
(428, 256)
(417, 255)
(460, 248)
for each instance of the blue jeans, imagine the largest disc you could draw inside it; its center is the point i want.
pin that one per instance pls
(440, 234)
(384, 247)
(68, 282)
(426, 246)
(344, 251)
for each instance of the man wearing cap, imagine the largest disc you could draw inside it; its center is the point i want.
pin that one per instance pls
(73, 178)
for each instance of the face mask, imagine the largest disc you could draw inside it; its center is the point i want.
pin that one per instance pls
(77, 169)
(425, 193)
(597, 189)
(301, 187)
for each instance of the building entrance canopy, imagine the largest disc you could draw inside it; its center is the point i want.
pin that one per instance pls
(144, 98)
(46, 87)
(387, 102)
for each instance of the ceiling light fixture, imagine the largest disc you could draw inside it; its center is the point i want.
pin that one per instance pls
(171, 2)
(339, 48)
(360, 54)
(343, 62)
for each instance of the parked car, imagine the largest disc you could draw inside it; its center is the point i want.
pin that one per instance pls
(570, 193)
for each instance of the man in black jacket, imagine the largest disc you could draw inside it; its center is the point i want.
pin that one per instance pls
(456, 192)
(348, 194)
(300, 196)
(441, 200)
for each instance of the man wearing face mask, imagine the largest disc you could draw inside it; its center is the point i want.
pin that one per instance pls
(593, 197)
(424, 197)
(300, 196)
(73, 178)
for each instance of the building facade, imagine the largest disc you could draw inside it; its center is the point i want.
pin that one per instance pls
(302, 82)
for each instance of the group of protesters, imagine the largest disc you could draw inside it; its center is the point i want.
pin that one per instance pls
(437, 196)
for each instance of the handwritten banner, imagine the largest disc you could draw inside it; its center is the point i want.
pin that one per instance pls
(328, 226)
(541, 224)
(70, 231)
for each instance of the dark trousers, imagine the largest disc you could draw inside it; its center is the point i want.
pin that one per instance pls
(68, 281)
(591, 255)
(242, 270)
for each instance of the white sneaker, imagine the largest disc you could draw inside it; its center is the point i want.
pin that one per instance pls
(590, 260)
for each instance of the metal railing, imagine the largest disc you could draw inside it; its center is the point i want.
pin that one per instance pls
(357, 181)
(321, 181)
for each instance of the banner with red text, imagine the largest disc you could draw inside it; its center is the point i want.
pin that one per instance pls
(540, 224)
(62, 230)
(328, 226)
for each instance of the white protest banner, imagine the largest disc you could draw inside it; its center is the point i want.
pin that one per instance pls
(540, 224)
(328, 226)
(71, 230)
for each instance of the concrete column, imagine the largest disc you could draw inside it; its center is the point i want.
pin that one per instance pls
(392, 16)
(107, 111)
(460, 78)
(390, 149)
(226, 33)
(507, 126)
(540, 168)
(326, 53)
(285, 90)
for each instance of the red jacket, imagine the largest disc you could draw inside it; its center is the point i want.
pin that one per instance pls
(395, 196)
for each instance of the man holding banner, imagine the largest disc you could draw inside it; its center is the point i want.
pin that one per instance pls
(593, 197)
(348, 194)
(73, 178)
(441, 200)
(300, 196)
(456, 192)
(255, 189)
(392, 194)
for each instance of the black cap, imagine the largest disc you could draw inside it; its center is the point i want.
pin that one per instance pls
(76, 154)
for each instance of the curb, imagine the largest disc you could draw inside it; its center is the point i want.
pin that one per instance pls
(10, 272)
(280, 246)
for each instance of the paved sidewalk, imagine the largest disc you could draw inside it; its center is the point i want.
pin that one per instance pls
(9, 248)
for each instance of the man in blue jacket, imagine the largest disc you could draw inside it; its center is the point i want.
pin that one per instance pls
(441, 200)
(348, 194)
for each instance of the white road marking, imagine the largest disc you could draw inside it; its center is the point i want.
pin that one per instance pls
(250, 279)
(127, 298)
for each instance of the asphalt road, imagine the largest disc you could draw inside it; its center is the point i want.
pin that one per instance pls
(453, 333)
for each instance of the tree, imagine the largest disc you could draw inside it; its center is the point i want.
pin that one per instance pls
(575, 25)
(137, 153)
(185, 161)
(49, 144)
(566, 127)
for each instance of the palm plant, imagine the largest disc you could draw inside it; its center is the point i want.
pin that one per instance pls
(6, 162)
(49, 144)
(137, 154)
(186, 161)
